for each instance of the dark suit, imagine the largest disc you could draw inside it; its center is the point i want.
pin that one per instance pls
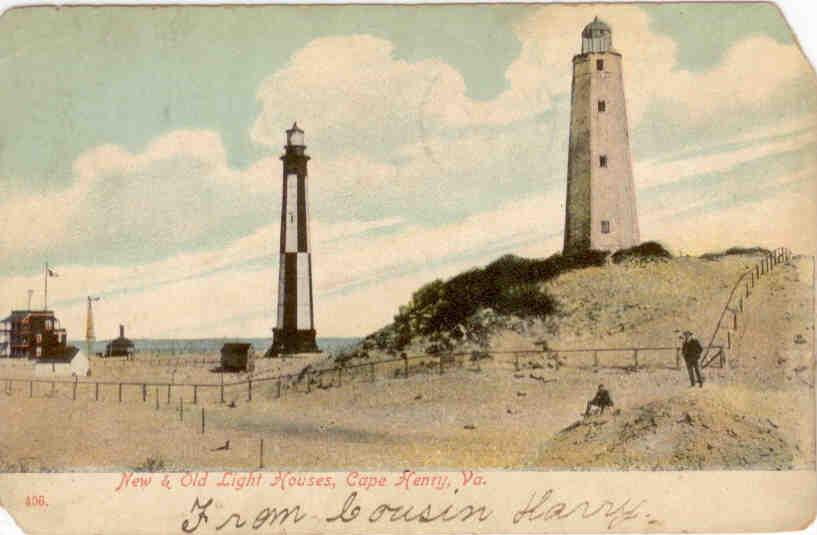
(602, 400)
(692, 353)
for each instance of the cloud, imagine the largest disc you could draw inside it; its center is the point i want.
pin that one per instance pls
(785, 216)
(794, 136)
(177, 194)
(351, 92)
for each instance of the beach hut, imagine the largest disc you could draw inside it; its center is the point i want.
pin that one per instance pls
(238, 357)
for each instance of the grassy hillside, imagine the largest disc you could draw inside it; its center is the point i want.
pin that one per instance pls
(514, 302)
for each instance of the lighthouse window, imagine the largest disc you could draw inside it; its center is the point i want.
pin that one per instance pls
(605, 227)
(602, 106)
(603, 161)
(599, 64)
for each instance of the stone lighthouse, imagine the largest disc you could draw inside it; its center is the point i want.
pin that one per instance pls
(600, 212)
(295, 328)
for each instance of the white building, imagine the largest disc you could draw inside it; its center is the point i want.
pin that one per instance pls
(74, 362)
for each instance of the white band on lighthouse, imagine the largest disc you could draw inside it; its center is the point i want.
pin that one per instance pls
(304, 298)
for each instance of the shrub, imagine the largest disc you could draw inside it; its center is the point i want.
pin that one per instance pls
(648, 251)
(736, 251)
(509, 285)
(151, 464)
(525, 301)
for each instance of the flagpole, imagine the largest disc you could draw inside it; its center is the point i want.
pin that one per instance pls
(45, 283)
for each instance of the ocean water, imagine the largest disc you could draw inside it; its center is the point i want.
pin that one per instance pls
(210, 345)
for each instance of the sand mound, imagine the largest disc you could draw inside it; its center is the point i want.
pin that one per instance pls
(696, 430)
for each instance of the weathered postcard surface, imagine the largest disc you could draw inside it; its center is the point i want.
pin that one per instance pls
(407, 269)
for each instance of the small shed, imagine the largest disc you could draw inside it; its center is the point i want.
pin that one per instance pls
(121, 347)
(238, 357)
(72, 362)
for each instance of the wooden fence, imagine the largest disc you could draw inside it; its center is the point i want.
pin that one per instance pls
(741, 291)
(310, 379)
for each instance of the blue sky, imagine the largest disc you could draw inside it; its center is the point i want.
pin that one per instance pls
(139, 151)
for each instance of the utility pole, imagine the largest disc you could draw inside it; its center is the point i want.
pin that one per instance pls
(30, 293)
(45, 287)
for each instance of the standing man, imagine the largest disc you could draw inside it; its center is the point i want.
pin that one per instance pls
(691, 349)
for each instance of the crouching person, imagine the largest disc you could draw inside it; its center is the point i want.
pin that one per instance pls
(602, 400)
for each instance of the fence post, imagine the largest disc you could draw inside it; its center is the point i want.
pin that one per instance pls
(249, 389)
(52, 388)
(261, 454)
(635, 357)
(202, 420)
(221, 376)
(722, 358)
(168, 393)
(371, 371)
(120, 392)
(144, 392)
(595, 359)
(735, 320)
(729, 339)
(405, 367)
(340, 376)
(31, 389)
(677, 358)
(96, 391)
(195, 394)
(278, 389)
(74, 393)
(181, 408)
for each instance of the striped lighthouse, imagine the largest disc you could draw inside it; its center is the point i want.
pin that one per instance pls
(295, 329)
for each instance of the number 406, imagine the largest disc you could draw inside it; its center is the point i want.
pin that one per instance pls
(35, 501)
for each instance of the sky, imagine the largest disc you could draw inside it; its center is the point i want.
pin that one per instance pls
(139, 151)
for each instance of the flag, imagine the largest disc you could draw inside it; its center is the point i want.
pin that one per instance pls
(52, 273)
